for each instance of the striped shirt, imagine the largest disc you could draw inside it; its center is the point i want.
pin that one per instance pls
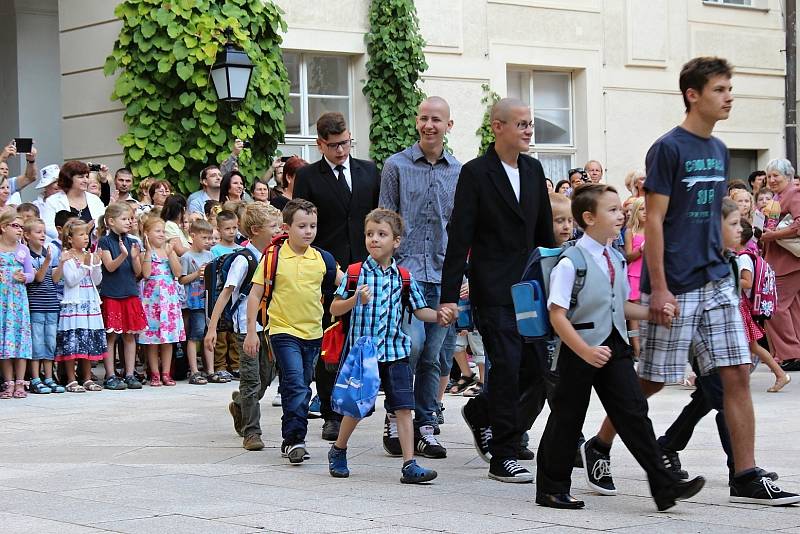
(43, 297)
(380, 318)
(423, 194)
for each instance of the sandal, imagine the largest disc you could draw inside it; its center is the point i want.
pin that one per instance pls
(91, 385)
(19, 392)
(474, 390)
(155, 380)
(54, 386)
(779, 383)
(197, 380)
(39, 387)
(167, 380)
(8, 392)
(216, 378)
(74, 387)
(463, 383)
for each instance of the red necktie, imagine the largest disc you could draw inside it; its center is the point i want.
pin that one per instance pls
(611, 272)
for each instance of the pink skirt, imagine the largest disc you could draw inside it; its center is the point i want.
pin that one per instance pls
(123, 316)
(751, 328)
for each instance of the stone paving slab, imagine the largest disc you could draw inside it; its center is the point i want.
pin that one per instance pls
(166, 460)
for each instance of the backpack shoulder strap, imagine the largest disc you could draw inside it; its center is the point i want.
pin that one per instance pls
(270, 258)
(329, 279)
(405, 293)
(353, 272)
(579, 262)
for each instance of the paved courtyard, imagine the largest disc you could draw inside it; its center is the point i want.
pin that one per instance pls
(167, 460)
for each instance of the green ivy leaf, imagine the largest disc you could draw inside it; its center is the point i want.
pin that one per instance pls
(188, 124)
(148, 29)
(172, 146)
(135, 153)
(185, 70)
(155, 166)
(177, 162)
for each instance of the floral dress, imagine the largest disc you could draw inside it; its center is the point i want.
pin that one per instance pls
(162, 305)
(15, 320)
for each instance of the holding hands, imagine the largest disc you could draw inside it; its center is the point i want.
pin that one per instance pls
(447, 313)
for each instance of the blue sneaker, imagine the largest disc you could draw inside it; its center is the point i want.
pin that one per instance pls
(337, 463)
(315, 408)
(416, 474)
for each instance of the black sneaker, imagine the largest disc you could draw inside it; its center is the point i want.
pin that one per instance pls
(330, 430)
(772, 475)
(673, 464)
(114, 383)
(510, 471)
(525, 454)
(597, 468)
(391, 440)
(481, 436)
(427, 444)
(132, 382)
(761, 490)
(790, 365)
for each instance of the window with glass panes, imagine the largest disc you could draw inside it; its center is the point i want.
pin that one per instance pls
(318, 83)
(549, 94)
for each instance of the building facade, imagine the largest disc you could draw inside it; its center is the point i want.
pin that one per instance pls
(601, 75)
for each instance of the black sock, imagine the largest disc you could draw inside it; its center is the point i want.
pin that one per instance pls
(338, 449)
(601, 447)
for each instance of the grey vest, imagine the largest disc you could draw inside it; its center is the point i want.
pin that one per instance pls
(600, 307)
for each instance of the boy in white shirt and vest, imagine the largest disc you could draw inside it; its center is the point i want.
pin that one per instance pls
(595, 352)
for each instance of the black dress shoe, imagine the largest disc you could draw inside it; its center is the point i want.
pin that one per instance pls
(330, 430)
(559, 500)
(525, 453)
(790, 365)
(678, 492)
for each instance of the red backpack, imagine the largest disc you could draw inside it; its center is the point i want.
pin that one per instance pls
(764, 297)
(335, 336)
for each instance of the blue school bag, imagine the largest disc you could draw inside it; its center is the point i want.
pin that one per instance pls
(358, 381)
(464, 319)
(530, 295)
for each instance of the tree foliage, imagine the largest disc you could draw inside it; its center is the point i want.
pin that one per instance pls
(176, 126)
(396, 60)
(485, 132)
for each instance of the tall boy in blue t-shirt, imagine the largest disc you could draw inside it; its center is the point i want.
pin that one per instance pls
(376, 311)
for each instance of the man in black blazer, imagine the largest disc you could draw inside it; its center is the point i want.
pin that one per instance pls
(501, 213)
(344, 190)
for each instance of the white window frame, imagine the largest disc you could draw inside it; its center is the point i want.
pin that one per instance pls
(568, 149)
(305, 139)
(759, 5)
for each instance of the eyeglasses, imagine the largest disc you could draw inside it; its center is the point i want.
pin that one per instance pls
(522, 125)
(162, 191)
(341, 144)
(16, 226)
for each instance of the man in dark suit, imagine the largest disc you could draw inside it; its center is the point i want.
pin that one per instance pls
(501, 212)
(344, 190)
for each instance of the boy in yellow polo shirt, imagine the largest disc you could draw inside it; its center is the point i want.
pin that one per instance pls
(295, 319)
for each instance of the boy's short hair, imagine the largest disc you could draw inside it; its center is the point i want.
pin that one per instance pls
(226, 216)
(295, 205)
(27, 206)
(62, 217)
(558, 199)
(30, 224)
(331, 123)
(201, 226)
(258, 214)
(728, 207)
(210, 205)
(696, 73)
(584, 198)
(392, 218)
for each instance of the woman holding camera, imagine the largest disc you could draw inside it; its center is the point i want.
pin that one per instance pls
(73, 179)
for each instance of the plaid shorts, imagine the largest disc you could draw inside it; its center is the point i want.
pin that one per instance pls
(709, 326)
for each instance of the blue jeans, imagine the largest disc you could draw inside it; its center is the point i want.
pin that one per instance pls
(296, 359)
(44, 326)
(426, 344)
(446, 353)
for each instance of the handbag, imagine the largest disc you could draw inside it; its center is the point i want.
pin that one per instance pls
(792, 244)
(358, 381)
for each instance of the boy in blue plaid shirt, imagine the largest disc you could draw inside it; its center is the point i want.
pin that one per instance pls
(377, 312)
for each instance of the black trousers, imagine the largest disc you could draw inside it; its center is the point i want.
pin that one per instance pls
(512, 366)
(706, 396)
(618, 387)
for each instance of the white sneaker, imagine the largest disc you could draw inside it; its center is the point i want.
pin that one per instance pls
(276, 401)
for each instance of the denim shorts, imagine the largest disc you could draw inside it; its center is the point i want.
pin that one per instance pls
(44, 327)
(398, 385)
(196, 329)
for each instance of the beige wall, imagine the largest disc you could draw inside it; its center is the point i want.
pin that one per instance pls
(625, 56)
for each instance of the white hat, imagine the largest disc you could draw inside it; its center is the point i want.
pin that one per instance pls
(47, 176)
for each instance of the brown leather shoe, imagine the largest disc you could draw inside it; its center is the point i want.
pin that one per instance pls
(253, 443)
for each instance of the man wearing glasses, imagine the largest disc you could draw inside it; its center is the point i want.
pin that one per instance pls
(344, 189)
(501, 213)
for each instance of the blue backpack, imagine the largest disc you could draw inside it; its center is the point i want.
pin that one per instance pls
(530, 295)
(358, 381)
